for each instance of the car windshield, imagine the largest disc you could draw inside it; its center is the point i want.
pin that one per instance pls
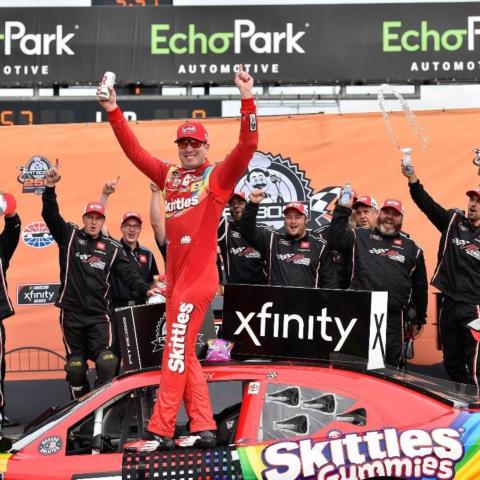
(55, 418)
(456, 394)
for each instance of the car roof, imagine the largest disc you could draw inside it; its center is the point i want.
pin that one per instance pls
(450, 393)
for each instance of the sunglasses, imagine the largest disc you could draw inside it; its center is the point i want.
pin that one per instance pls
(184, 142)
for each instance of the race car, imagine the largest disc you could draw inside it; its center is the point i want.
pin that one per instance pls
(276, 421)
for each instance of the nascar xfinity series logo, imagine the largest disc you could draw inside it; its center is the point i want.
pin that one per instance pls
(20, 39)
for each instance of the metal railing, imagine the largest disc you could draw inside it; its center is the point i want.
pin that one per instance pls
(33, 359)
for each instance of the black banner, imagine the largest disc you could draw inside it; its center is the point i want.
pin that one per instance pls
(142, 329)
(305, 44)
(305, 323)
(16, 112)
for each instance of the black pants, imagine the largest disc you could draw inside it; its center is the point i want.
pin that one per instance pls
(460, 349)
(395, 326)
(85, 336)
(2, 367)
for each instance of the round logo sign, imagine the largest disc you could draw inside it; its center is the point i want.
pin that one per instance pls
(37, 235)
(50, 446)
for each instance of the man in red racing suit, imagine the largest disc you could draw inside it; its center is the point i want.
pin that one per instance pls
(195, 195)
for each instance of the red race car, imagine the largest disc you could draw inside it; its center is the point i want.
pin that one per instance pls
(276, 421)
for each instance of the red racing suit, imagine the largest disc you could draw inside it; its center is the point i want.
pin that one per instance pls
(194, 201)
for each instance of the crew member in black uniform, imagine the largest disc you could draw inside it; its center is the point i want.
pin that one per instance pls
(385, 259)
(8, 243)
(141, 258)
(295, 258)
(87, 259)
(457, 276)
(242, 263)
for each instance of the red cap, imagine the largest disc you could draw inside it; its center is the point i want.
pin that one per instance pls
(476, 191)
(94, 207)
(299, 207)
(8, 203)
(192, 129)
(367, 201)
(395, 204)
(354, 195)
(128, 215)
(242, 195)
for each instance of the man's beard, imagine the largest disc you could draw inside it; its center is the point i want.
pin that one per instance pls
(392, 233)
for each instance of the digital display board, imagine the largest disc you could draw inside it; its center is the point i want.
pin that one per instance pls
(20, 112)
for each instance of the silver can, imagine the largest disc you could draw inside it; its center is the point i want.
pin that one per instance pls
(108, 80)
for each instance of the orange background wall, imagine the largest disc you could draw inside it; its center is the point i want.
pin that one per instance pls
(332, 149)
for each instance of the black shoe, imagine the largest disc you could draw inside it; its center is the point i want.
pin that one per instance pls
(164, 443)
(205, 439)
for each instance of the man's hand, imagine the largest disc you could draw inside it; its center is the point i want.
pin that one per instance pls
(412, 178)
(53, 175)
(108, 105)
(110, 187)
(416, 330)
(154, 291)
(257, 196)
(244, 83)
(154, 187)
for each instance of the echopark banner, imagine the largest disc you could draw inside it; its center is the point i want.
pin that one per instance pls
(301, 44)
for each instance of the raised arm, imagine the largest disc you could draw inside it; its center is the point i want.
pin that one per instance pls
(151, 166)
(438, 215)
(107, 189)
(339, 236)
(156, 221)
(50, 212)
(256, 236)
(228, 172)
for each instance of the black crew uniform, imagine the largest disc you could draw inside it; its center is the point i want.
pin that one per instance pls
(141, 259)
(86, 266)
(294, 262)
(242, 263)
(8, 243)
(382, 263)
(457, 276)
(341, 265)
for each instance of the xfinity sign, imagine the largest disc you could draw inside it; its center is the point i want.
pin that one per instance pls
(36, 43)
(305, 323)
(165, 42)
